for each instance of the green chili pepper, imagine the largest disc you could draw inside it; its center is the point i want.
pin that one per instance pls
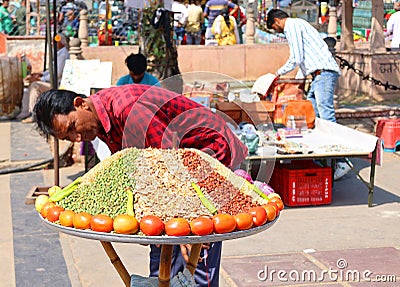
(65, 191)
(129, 205)
(204, 199)
(257, 190)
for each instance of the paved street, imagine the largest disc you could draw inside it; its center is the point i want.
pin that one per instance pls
(345, 243)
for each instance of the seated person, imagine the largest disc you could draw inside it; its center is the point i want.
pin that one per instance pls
(137, 64)
(40, 82)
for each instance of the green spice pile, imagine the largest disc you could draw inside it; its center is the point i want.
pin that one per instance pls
(103, 189)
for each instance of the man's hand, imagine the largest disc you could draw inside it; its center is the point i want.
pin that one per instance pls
(34, 77)
(186, 248)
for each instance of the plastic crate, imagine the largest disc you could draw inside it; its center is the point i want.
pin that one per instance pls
(302, 183)
(389, 132)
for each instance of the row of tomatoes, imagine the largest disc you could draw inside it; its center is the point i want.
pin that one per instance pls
(153, 226)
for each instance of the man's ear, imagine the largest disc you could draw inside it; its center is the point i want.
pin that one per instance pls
(80, 102)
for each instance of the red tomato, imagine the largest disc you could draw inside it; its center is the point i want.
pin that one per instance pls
(177, 227)
(66, 218)
(277, 211)
(202, 226)
(101, 223)
(151, 225)
(243, 221)
(271, 213)
(46, 207)
(54, 213)
(278, 202)
(81, 220)
(126, 224)
(224, 223)
(259, 215)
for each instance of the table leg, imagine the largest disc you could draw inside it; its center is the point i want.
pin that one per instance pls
(117, 263)
(371, 184)
(194, 257)
(165, 265)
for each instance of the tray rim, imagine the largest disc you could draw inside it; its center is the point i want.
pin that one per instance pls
(164, 239)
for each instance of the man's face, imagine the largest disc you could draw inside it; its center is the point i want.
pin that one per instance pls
(136, 78)
(279, 25)
(78, 125)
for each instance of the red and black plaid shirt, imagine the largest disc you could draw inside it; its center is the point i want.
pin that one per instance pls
(146, 116)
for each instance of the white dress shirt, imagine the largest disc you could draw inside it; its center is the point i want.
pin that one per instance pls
(308, 50)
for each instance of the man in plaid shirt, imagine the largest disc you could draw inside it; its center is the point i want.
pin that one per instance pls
(143, 116)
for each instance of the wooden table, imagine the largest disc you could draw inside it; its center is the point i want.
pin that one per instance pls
(335, 134)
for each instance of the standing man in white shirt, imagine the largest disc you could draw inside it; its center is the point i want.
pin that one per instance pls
(311, 54)
(393, 26)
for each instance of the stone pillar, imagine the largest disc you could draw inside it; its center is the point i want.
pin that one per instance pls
(83, 27)
(377, 39)
(332, 24)
(75, 51)
(250, 26)
(346, 39)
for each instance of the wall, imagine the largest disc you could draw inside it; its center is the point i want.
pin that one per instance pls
(383, 67)
(31, 46)
(242, 62)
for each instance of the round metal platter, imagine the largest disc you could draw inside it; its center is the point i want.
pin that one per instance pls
(165, 239)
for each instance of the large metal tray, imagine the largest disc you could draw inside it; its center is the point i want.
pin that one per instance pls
(140, 239)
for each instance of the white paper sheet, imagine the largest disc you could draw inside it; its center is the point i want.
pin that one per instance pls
(329, 133)
(81, 75)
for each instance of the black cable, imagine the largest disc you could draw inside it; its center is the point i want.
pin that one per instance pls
(26, 167)
(30, 166)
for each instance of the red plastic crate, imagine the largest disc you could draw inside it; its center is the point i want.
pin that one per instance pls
(389, 132)
(303, 183)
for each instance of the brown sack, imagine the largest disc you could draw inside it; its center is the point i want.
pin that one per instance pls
(11, 85)
(300, 108)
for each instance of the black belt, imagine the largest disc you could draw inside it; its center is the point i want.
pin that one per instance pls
(316, 73)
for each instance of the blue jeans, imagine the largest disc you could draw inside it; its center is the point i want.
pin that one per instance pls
(321, 95)
(207, 271)
(193, 38)
(179, 34)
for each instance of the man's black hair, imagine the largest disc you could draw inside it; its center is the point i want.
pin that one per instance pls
(136, 63)
(50, 104)
(273, 14)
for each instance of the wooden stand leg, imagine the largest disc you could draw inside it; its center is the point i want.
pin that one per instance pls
(194, 257)
(166, 258)
(116, 261)
(165, 265)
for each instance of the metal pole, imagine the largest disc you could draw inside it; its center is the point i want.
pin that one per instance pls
(106, 35)
(55, 70)
(55, 86)
(48, 40)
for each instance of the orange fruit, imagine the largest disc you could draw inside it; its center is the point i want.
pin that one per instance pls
(126, 224)
(81, 220)
(66, 218)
